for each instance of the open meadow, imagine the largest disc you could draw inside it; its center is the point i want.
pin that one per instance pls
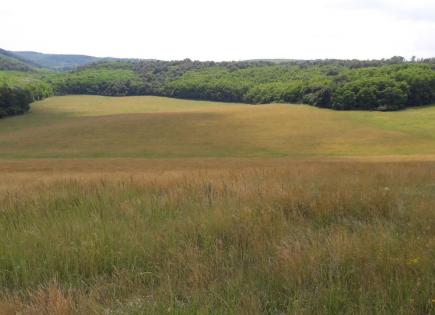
(151, 205)
(155, 127)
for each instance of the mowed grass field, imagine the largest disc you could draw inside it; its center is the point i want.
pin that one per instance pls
(155, 127)
(148, 205)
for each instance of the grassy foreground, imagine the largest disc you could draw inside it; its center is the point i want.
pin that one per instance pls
(234, 237)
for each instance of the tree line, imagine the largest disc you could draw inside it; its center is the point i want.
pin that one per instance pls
(389, 84)
(387, 87)
(338, 84)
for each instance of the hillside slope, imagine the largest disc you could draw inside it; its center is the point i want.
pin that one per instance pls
(11, 62)
(56, 61)
(156, 127)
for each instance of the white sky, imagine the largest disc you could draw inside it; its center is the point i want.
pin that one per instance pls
(221, 29)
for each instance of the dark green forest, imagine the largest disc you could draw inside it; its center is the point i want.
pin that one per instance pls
(389, 84)
(14, 100)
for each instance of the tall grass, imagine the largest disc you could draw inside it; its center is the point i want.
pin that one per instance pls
(301, 238)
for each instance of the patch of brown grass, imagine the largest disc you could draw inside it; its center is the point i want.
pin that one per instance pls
(43, 301)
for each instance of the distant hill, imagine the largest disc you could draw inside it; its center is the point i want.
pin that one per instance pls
(11, 62)
(55, 61)
(30, 60)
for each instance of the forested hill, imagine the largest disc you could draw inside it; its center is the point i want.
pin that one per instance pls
(10, 61)
(389, 84)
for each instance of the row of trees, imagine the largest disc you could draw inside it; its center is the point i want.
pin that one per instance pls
(338, 84)
(389, 87)
(100, 81)
(147, 77)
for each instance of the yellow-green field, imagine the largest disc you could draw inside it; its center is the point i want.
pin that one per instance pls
(154, 127)
(148, 205)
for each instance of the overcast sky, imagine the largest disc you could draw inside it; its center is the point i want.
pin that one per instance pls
(221, 29)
